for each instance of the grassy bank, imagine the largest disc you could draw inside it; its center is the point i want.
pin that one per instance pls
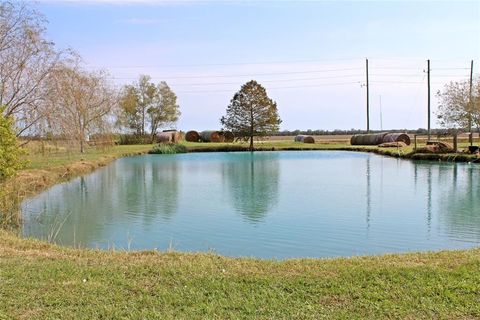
(43, 281)
(405, 153)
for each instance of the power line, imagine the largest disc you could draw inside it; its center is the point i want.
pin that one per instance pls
(396, 68)
(278, 80)
(268, 63)
(274, 88)
(451, 69)
(396, 75)
(218, 64)
(405, 82)
(241, 75)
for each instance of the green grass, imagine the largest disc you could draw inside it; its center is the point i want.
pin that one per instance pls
(42, 281)
(36, 160)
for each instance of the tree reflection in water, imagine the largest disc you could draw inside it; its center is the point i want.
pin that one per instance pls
(253, 184)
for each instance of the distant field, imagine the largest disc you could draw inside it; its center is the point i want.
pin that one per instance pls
(319, 139)
(345, 139)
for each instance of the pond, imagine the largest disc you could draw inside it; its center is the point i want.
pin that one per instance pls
(266, 205)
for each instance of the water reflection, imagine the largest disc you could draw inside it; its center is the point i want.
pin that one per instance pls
(61, 221)
(265, 204)
(253, 184)
(162, 189)
(368, 195)
(460, 205)
(96, 202)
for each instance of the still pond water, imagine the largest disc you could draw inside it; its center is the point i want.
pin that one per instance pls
(267, 204)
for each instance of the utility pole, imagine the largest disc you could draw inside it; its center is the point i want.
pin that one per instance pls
(368, 100)
(470, 108)
(428, 102)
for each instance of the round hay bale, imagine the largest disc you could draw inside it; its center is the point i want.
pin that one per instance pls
(211, 136)
(169, 136)
(396, 144)
(166, 137)
(397, 137)
(309, 139)
(192, 136)
(177, 137)
(304, 139)
(367, 139)
(228, 136)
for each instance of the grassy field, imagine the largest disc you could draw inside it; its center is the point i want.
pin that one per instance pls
(43, 281)
(62, 157)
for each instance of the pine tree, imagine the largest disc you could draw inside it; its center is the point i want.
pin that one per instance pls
(251, 113)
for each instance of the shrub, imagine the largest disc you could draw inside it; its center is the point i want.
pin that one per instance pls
(10, 152)
(168, 149)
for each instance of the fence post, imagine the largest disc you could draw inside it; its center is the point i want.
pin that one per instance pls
(415, 143)
(455, 142)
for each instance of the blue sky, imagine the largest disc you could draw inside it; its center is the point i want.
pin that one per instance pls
(309, 55)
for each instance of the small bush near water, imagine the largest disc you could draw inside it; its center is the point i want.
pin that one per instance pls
(168, 149)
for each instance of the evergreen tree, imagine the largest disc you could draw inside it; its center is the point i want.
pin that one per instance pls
(9, 150)
(251, 113)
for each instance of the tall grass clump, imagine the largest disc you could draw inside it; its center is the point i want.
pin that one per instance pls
(168, 149)
(10, 215)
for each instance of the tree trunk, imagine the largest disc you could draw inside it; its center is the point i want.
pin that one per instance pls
(251, 129)
(153, 137)
(82, 147)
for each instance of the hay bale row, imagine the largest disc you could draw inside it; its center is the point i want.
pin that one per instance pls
(209, 136)
(367, 139)
(169, 137)
(379, 138)
(304, 138)
(192, 136)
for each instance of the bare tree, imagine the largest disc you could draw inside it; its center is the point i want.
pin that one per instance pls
(84, 102)
(456, 109)
(26, 60)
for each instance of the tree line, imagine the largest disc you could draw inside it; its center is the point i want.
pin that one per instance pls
(47, 91)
